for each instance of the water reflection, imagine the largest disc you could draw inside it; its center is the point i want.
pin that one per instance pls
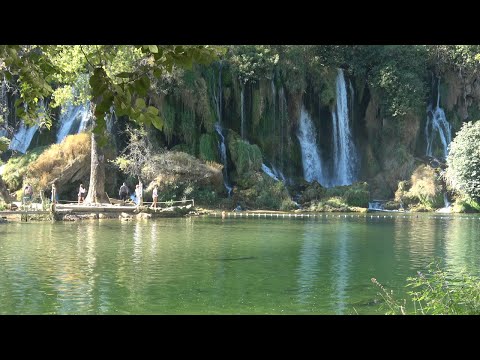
(307, 270)
(461, 254)
(206, 265)
(340, 269)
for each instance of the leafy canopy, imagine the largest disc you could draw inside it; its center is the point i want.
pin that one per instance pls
(463, 161)
(107, 75)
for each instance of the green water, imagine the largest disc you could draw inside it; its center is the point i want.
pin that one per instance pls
(208, 265)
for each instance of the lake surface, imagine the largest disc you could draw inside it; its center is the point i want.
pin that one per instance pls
(206, 265)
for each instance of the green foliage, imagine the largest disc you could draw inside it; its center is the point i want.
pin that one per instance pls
(4, 143)
(251, 62)
(399, 72)
(24, 66)
(314, 191)
(288, 205)
(259, 191)
(209, 147)
(117, 75)
(357, 195)
(16, 168)
(246, 157)
(463, 161)
(205, 197)
(168, 113)
(462, 57)
(437, 292)
(465, 204)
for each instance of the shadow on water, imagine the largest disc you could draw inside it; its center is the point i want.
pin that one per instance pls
(232, 259)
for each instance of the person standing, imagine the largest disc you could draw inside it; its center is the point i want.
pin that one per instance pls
(81, 194)
(54, 196)
(27, 193)
(155, 196)
(138, 194)
(123, 193)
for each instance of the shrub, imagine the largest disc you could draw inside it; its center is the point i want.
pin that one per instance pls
(438, 293)
(246, 157)
(357, 195)
(16, 168)
(426, 187)
(463, 161)
(73, 153)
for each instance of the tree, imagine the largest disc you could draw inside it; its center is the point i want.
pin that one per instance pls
(463, 161)
(110, 76)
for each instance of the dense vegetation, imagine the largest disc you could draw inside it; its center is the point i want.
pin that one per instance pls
(175, 96)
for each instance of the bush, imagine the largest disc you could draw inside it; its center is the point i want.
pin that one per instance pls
(246, 157)
(16, 168)
(437, 293)
(463, 161)
(426, 187)
(209, 148)
(288, 205)
(70, 158)
(357, 195)
(464, 204)
(314, 191)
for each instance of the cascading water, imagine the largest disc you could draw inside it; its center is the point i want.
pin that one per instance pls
(437, 127)
(223, 157)
(352, 96)
(344, 152)
(269, 172)
(312, 164)
(217, 97)
(23, 137)
(73, 120)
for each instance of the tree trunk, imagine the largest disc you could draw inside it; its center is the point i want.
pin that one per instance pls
(96, 189)
(4, 192)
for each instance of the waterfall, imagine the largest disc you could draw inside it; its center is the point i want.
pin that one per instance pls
(447, 208)
(73, 120)
(279, 174)
(437, 124)
(242, 112)
(344, 152)
(217, 97)
(269, 172)
(223, 157)
(23, 137)
(352, 94)
(312, 165)
(445, 200)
